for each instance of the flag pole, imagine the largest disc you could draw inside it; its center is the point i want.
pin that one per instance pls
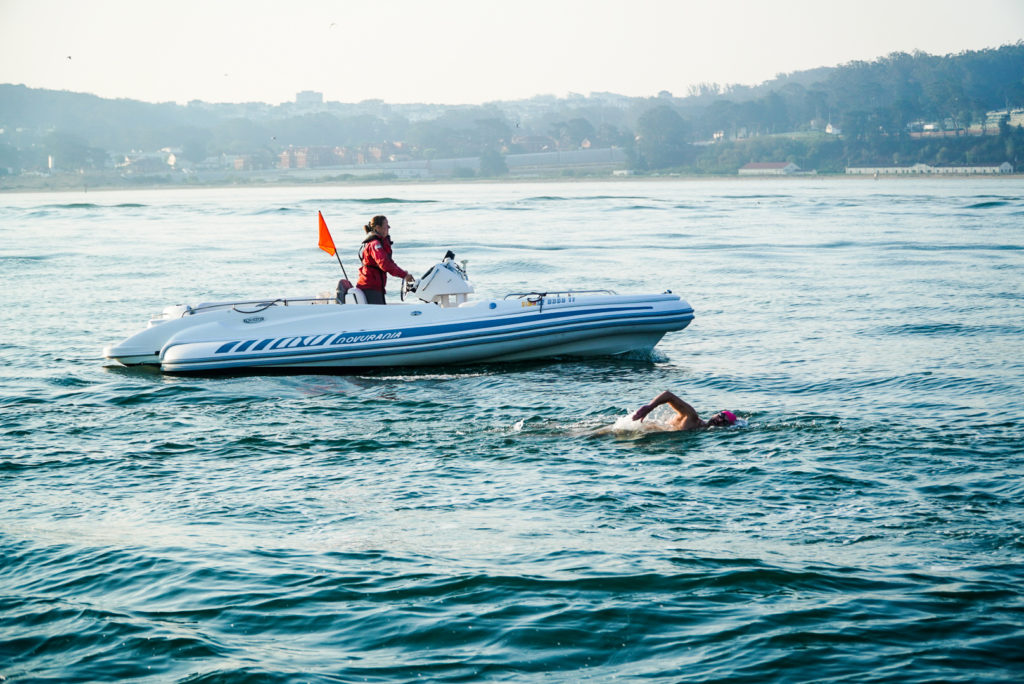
(341, 264)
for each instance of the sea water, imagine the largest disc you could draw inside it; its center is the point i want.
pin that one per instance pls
(477, 524)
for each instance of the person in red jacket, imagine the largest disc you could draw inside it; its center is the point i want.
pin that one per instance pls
(375, 255)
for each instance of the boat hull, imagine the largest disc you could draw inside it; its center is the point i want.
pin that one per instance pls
(347, 336)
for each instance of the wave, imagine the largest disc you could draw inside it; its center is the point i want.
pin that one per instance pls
(192, 394)
(638, 207)
(509, 266)
(581, 198)
(988, 205)
(952, 329)
(654, 355)
(26, 258)
(519, 247)
(935, 247)
(270, 211)
(371, 200)
(92, 205)
(879, 385)
(506, 208)
(741, 197)
(170, 614)
(72, 205)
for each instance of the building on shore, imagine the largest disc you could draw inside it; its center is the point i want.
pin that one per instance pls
(929, 170)
(769, 169)
(389, 159)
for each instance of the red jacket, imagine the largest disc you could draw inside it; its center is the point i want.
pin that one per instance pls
(377, 263)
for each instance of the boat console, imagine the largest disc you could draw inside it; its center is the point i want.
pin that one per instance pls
(445, 284)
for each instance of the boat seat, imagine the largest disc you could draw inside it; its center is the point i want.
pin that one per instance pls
(356, 296)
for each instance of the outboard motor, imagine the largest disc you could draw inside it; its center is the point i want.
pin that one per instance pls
(445, 284)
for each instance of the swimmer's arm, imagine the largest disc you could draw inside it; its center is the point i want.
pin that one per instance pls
(687, 414)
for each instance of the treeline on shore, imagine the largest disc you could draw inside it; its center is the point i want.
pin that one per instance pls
(900, 109)
(833, 154)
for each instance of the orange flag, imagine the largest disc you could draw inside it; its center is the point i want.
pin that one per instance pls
(326, 242)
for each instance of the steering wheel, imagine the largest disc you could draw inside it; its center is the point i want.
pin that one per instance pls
(411, 287)
(406, 287)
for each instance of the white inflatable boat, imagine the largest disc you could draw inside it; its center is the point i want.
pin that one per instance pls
(339, 331)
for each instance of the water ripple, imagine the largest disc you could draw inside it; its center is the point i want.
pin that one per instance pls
(510, 522)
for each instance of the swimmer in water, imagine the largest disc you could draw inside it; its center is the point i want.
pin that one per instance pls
(686, 417)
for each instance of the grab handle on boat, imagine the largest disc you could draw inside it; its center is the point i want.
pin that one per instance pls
(538, 299)
(266, 305)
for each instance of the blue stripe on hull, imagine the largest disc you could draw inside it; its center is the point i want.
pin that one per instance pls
(293, 356)
(294, 341)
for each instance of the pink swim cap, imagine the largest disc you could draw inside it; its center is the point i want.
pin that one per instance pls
(729, 416)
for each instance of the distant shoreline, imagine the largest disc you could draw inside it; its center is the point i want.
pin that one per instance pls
(64, 184)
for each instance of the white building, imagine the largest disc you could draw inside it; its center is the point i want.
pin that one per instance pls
(769, 169)
(926, 169)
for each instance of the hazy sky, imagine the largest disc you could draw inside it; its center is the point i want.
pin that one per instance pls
(463, 51)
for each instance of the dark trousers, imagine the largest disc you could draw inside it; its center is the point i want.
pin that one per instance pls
(374, 296)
